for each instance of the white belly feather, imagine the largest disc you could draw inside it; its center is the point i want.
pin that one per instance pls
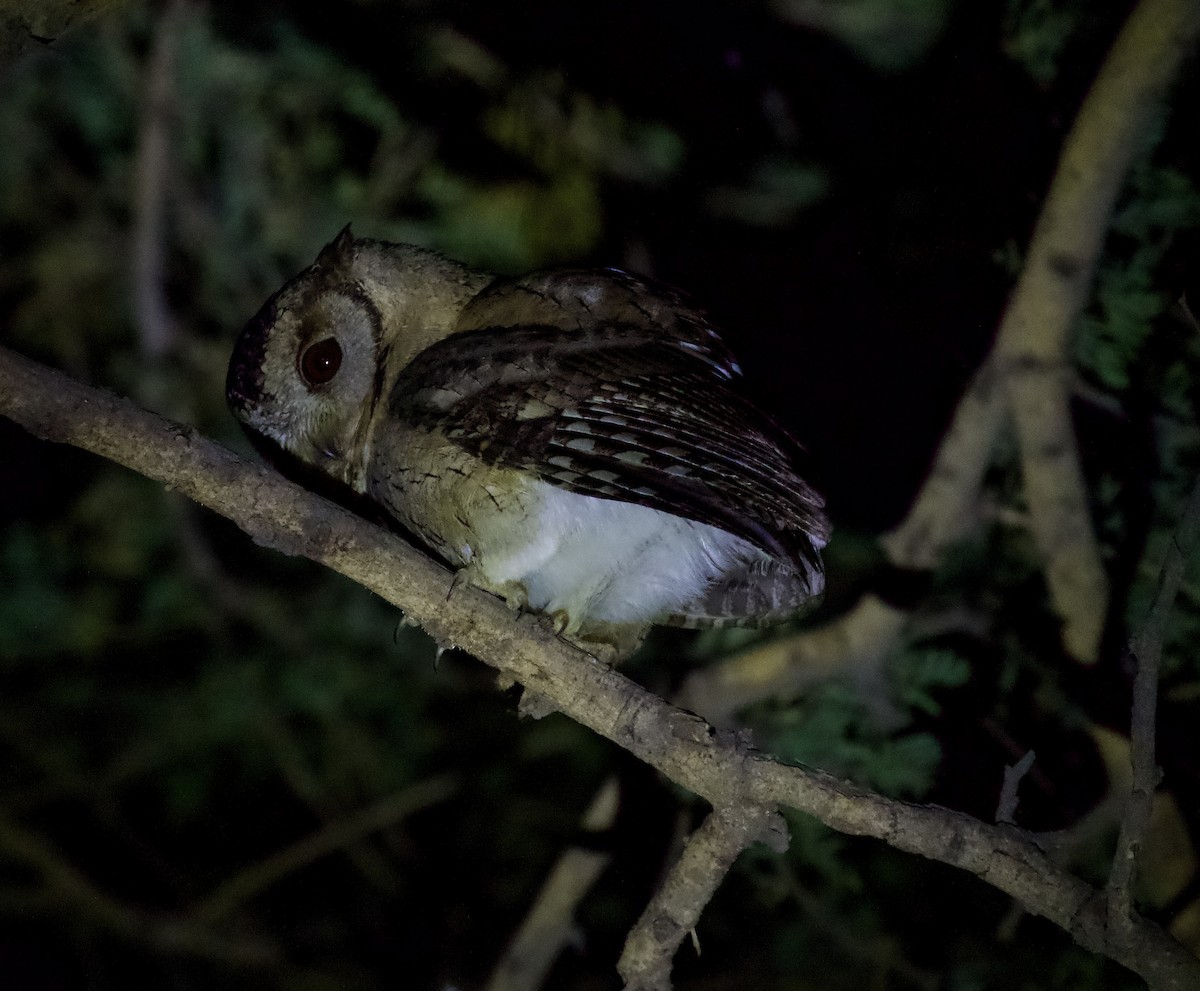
(601, 561)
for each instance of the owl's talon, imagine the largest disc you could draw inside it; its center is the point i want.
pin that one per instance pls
(517, 601)
(460, 576)
(560, 621)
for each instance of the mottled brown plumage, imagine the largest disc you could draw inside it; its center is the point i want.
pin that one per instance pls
(573, 438)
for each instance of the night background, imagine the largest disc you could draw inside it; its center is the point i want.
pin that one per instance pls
(848, 189)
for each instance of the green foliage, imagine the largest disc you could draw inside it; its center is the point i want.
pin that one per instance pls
(849, 729)
(890, 35)
(1036, 31)
(1135, 345)
(919, 674)
(774, 195)
(550, 210)
(1161, 203)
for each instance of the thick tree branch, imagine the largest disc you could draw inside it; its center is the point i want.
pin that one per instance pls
(1025, 377)
(1033, 348)
(1032, 351)
(717, 766)
(675, 908)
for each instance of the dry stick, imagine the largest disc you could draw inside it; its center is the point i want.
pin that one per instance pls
(1006, 807)
(247, 883)
(1146, 650)
(292, 765)
(549, 924)
(1025, 374)
(64, 886)
(717, 766)
(689, 886)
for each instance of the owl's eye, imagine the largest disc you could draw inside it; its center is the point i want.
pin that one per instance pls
(320, 362)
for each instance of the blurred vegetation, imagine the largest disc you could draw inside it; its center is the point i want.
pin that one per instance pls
(847, 185)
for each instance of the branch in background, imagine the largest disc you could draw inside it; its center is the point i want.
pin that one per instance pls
(946, 510)
(152, 168)
(248, 883)
(64, 888)
(1006, 807)
(1033, 349)
(717, 766)
(689, 886)
(1146, 652)
(549, 925)
(880, 954)
(1025, 376)
(786, 666)
(293, 767)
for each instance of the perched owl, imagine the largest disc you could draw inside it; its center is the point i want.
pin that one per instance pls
(572, 439)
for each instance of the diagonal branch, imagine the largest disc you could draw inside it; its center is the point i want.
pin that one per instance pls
(785, 667)
(717, 766)
(1033, 349)
(1031, 356)
(550, 922)
(675, 908)
(246, 884)
(64, 886)
(1024, 377)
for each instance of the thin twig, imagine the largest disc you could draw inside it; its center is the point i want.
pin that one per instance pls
(881, 953)
(66, 887)
(291, 763)
(249, 882)
(1145, 650)
(1006, 807)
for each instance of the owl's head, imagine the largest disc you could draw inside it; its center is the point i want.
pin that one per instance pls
(309, 370)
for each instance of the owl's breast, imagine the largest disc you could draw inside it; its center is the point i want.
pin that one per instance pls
(598, 565)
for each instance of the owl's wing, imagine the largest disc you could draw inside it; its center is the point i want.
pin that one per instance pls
(629, 402)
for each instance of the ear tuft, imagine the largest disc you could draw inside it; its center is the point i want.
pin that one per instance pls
(338, 251)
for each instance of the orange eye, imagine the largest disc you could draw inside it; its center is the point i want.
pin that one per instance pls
(321, 361)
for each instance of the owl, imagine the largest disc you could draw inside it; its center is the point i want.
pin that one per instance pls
(572, 440)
